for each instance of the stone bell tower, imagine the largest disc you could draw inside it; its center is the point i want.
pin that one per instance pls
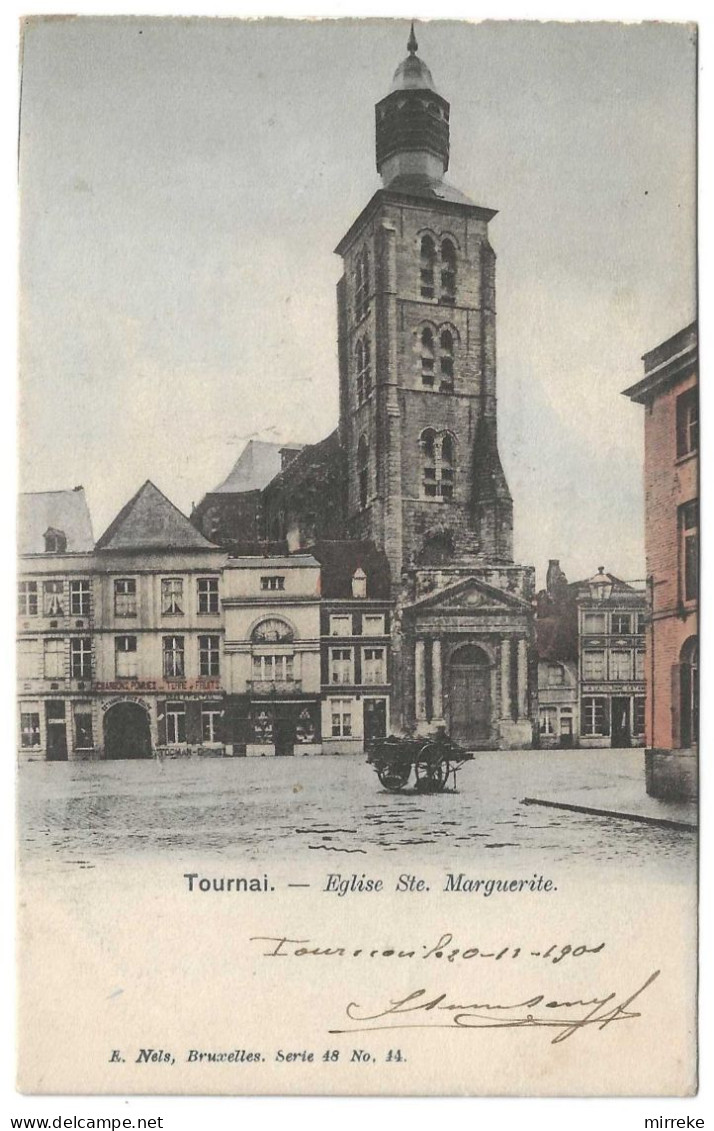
(418, 347)
(417, 356)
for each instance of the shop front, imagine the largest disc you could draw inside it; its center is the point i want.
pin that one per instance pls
(259, 727)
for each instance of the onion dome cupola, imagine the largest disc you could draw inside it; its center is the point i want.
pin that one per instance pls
(412, 123)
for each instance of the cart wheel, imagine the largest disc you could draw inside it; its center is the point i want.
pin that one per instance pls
(431, 773)
(393, 776)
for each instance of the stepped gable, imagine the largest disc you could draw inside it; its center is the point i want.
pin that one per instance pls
(60, 512)
(150, 521)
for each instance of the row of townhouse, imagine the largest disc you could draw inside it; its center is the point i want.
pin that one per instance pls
(154, 639)
(591, 661)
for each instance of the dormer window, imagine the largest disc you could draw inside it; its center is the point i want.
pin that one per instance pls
(359, 583)
(55, 541)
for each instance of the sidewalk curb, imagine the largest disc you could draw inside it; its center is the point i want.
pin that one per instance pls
(661, 822)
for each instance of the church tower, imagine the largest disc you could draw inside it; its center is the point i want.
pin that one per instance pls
(418, 427)
(417, 347)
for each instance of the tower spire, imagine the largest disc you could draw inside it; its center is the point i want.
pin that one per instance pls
(412, 122)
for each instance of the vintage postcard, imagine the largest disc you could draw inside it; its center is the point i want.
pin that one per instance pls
(357, 679)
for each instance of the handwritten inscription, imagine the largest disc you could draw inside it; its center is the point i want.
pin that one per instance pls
(281, 946)
(566, 1016)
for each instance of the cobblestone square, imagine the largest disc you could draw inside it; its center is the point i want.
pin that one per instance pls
(89, 815)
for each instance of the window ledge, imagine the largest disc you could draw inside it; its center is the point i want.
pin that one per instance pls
(686, 458)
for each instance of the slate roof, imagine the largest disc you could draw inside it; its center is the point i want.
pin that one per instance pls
(65, 511)
(150, 521)
(339, 560)
(557, 635)
(258, 463)
(289, 561)
(619, 586)
(310, 456)
(433, 188)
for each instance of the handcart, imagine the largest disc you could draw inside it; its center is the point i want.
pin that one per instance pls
(432, 760)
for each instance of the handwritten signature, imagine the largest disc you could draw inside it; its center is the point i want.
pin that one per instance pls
(488, 1015)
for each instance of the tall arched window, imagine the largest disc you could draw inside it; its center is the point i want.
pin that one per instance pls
(446, 344)
(427, 357)
(439, 464)
(448, 271)
(363, 471)
(272, 630)
(273, 655)
(365, 279)
(428, 260)
(428, 446)
(361, 284)
(359, 366)
(446, 467)
(363, 364)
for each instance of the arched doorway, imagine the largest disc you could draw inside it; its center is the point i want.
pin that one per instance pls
(689, 692)
(126, 731)
(469, 707)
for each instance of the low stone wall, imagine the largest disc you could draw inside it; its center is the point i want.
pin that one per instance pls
(672, 775)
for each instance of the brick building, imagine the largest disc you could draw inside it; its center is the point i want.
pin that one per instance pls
(669, 392)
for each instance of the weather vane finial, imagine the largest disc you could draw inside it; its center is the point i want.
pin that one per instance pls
(412, 45)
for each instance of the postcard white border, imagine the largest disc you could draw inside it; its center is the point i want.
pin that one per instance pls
(219, 1113)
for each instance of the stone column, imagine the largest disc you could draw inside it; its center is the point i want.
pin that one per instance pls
(522, 678)
(506, 677)
(420, 679)
(437, 692)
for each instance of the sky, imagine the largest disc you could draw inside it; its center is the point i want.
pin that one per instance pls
(183, 184)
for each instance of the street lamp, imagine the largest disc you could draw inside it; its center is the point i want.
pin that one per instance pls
(600, 585)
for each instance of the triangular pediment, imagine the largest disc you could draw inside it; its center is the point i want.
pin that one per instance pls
(469, 593)
(151, 521)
